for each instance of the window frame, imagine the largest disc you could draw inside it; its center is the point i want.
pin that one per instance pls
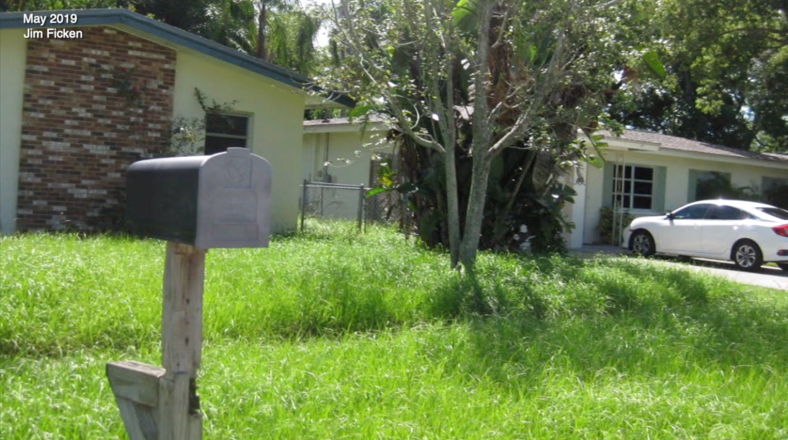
(697, 177)
(632, 180)
(246, 138)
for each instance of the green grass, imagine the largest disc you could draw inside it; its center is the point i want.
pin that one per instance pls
(331, 336)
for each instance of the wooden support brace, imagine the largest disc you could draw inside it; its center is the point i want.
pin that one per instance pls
(136, 389)
(162, 403)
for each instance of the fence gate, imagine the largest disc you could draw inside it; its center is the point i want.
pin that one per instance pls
(340, 201)
(333, 201)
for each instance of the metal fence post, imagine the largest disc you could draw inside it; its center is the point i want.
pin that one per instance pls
(360, 206)
(303, 206)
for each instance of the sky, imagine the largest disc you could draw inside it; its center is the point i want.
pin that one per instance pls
(322, 36)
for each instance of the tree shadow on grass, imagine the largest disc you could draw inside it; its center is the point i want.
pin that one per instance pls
(666, 321)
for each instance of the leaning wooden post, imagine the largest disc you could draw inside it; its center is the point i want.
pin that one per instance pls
(184, 274)
(195, 203)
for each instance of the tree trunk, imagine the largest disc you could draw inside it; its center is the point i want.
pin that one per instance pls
(262, 22)
(452, 204)
(475, 213)
(482, 141)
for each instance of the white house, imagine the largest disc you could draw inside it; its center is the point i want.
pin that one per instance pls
(658, 172)
(337, 151)
(661, 173)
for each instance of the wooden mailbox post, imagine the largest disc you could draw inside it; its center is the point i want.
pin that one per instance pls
(195, 203)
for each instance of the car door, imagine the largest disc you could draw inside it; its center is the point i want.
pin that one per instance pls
(721, 228)
(680, 234)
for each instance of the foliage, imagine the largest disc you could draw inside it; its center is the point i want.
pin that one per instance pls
(727, 71)
(605, 226)
(189, 133)
(464, 83)
(44, 5)
(290, 30)
(127, 87)
(278, 31)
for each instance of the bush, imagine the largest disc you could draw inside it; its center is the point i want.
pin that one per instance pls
(605, 227)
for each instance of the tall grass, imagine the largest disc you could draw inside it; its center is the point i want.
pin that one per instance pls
(372, 336)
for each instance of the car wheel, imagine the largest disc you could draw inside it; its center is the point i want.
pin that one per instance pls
(783, 266)
(643, 244)
(747, 255)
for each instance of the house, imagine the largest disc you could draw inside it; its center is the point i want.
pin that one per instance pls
(81, 100)
(650, 173)
(339, 151)
(657, 172)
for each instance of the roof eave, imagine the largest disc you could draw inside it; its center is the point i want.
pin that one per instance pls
(345, 128)
(95, 17)
(718, 158)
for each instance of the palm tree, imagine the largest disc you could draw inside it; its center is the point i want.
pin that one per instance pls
(228, 22)
(280, 31)
(286, 33)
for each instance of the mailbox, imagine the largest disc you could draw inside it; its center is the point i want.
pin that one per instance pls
(218, 201)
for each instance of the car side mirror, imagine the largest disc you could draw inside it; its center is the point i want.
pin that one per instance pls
(670, 215)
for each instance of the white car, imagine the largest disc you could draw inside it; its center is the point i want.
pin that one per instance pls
(747, 233)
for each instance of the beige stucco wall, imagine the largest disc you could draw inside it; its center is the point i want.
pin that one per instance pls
(349, 146)
(350, 153)
(276, 119)
(677, 180)
(13, 52)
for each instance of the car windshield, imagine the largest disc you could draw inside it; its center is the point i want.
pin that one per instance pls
(775, 212)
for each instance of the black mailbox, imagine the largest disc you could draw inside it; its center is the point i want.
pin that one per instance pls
(218, 201)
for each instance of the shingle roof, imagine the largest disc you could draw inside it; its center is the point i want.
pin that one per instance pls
(682, 144)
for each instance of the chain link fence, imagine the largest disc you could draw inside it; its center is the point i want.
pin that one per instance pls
(348, 204)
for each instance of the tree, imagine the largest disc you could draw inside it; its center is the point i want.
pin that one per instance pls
(519, 72)
(727, 65)
(279, 31)
(44, 5)
(290, 34)
(227, 22)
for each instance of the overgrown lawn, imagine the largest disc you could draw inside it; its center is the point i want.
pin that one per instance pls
(343, 336)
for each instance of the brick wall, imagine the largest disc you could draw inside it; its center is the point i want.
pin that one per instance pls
(92, 106)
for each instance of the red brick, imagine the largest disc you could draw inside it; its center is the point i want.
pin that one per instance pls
(70, 107)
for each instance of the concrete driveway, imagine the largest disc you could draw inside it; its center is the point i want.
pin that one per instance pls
(771, 277)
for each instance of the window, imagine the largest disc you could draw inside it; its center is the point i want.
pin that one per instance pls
(694, 212)
(775, 212)
(223, 131)
(722, 212)
(633, 187)
(773, 183)
(705, 185)
(775, 191)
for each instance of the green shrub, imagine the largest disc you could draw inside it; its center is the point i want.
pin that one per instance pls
(605, 227)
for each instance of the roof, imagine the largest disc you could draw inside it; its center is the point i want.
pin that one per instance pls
(96, 17)
(376, 123)
(668, 142)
